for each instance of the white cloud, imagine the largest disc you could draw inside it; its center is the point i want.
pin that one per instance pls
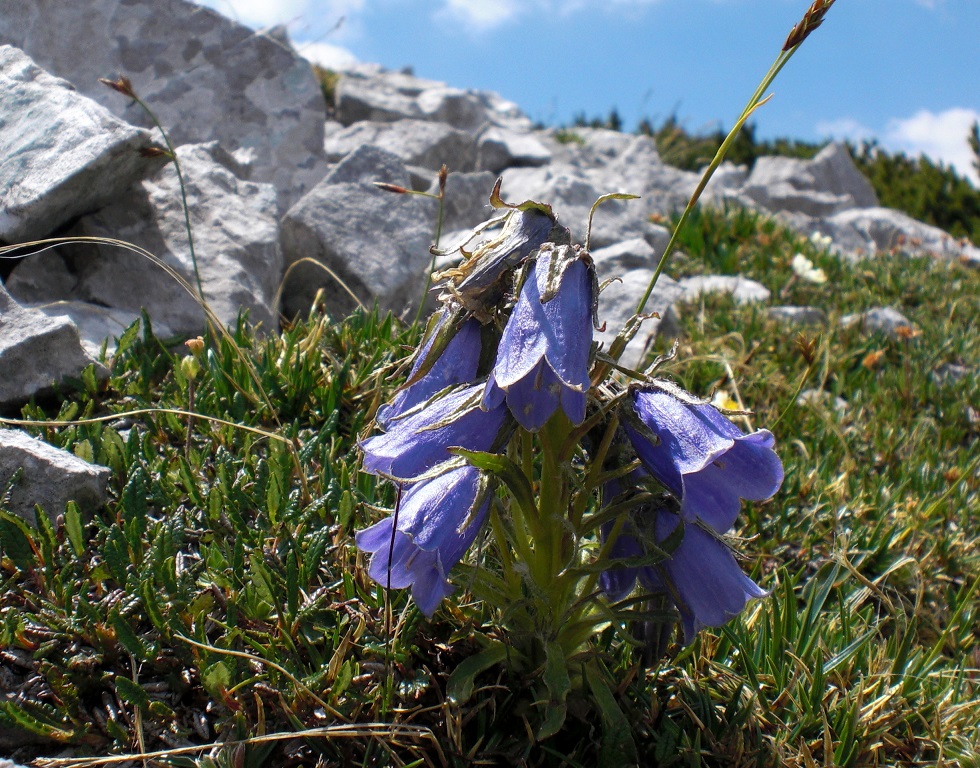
(938, 135)
(845, 129)
(480, 15)
(298, 15)
(326, 55)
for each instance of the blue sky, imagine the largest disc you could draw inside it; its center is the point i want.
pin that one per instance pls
(904, 72)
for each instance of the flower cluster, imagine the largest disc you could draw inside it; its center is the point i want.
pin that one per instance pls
(608, 483)
(540, 366)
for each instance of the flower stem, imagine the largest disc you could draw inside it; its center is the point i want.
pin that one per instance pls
(754, 102)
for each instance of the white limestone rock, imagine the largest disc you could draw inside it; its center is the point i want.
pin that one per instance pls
(742, 289)
(415, 142)
(499, 148)
(885, 320)
(376, 243)
(236, 242)
(37, 352)
(61, 154)
(823, 186)
(869, 231)
(801, 316)
(50, 477)
(207, 78)
(370, 94)
(618, 302)
(466, 202)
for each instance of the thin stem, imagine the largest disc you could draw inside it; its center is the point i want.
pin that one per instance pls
(183, 190)
(756, 101)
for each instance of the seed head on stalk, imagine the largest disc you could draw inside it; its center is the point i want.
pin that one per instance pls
(812, 19)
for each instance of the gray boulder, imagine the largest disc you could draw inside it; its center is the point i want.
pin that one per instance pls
(823, 186)
(467, 200)
(635, 253)
(415, 142)
(617, 304)
(499, 148)
(236, 241)
(742, 289)
(207, 78)
(884, 320)
(99, 326)
(374, 242)
(368, 93)
(572, 193)
(801, 316)
(61, 154)
(868, 231)
(37, 352)
(50, 477)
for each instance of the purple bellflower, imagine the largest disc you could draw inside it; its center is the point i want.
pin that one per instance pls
(543, 355)
(478, 284)
(437, 521)
(700, 576)
(456, 364)
(707, 462)
(420, 440)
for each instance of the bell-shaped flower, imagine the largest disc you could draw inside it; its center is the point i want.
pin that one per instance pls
(420, 440)
(706, 583)
(478, 284)
(449, 354)
(700, 574)
(543, 356)
(433, 526)
(707, 462)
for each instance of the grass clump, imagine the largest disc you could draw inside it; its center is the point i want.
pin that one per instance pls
(217, 605)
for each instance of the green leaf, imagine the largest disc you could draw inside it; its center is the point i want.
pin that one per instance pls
(618, 747)
(36, 721)
(73, 527)
(558, 683)
(460, 686)
(127, 637)
(150, 597)
(216, 679)
(132, 693)
(17, 541)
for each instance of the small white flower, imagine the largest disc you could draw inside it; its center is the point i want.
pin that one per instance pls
(804, 268)
(723, 401)
(822, 242)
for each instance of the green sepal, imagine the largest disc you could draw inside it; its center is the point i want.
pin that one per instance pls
(509, 473)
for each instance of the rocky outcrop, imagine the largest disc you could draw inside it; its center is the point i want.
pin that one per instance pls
(61, 154)
(47, 477)
(273, 184)
(236, 242)
(37, 352)
(206, 77)
(827, 184)
(375, 243)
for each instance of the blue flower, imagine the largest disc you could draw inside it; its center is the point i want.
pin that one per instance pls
(456, 364)
(420, 440)
(478, 284)
(699, 455)
(437, 521)
(700, 576)
(543, 356)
